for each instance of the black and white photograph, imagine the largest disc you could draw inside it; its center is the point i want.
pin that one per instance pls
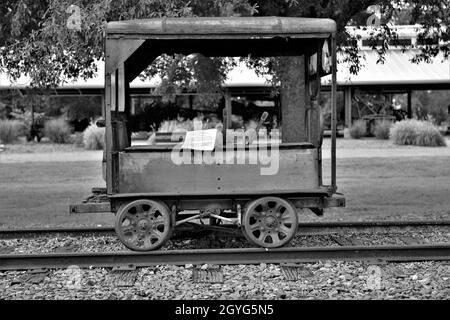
(224, 158)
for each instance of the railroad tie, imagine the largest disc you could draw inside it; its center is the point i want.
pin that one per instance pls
(294, 272)
(123, 276)
(207, 274)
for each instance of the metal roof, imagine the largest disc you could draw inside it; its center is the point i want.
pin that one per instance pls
(222, 27)
(397, 69)
(240, 76)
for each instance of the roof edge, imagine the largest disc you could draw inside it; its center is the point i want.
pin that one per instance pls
(223, 25)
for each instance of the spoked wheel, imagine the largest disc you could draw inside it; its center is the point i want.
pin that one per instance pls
(143, 225)
(270, 222)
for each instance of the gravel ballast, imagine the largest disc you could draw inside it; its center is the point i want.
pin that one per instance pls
(324, 280)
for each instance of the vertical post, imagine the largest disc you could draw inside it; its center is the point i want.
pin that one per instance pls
(228, 110)
(121, 84)
(32, 132)
(308, 97)
(409, 104)
(113, 91)
(348, 106)
(227, 116)
(333, 113)
(103, 104)
(108, 135)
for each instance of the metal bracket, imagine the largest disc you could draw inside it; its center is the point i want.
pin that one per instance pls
(208, 214)
(223, 218)
(103, 207)
(239, 215)
(188, 219)
(174, 215)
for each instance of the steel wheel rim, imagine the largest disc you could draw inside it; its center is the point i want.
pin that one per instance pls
(143, 225)
(270, 222)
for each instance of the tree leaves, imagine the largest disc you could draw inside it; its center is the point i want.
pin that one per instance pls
(35, 40)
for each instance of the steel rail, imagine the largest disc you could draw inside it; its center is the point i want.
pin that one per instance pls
(302, 226)
(225, 257)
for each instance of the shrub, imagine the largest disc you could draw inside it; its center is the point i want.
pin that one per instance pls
(430, 136)
(57, 130)
(358, 130)
(10, 130)
(382, 129)
(414, 132)
(78, 140)
(94, 138)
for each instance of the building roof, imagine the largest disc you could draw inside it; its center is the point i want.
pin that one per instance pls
(239, 77)
(397, 69)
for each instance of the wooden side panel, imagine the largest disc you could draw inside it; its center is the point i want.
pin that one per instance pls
(157, 172)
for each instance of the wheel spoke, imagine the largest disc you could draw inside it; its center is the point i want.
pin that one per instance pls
(156, 234)
(254, 227)
(286, 218)
(285, 230)
(131, 217)
(132, 238)
(255, 214)
(275, 238)
(262, 237)
(140, 208)
(152, 212)
(278, 208)
(159, 221)
(148, 242)
(128, 229)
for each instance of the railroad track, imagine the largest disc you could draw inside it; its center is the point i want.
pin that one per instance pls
(307, 227)
(410, 252)
(433, 252)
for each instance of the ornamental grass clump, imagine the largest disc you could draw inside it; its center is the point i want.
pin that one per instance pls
(57, 130)
(430, 136)
(94, 138)
(358, 130)
(10, 130)
(418, 133)
(382, 129)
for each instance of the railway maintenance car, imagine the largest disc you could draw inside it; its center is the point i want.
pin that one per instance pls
(154, 188)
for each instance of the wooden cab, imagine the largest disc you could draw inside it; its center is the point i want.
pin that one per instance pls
(236, 183)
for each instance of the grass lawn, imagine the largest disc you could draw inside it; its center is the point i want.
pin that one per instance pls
(39, 193)
(390, 188)
(44, 146)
